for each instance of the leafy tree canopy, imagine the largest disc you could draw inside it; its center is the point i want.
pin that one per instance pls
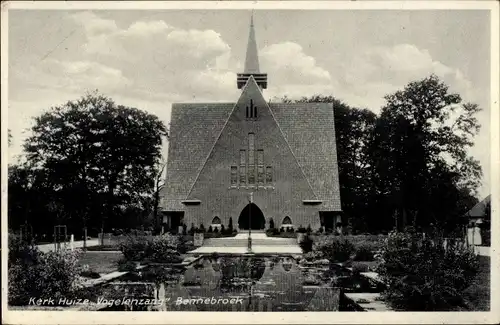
(96, 149)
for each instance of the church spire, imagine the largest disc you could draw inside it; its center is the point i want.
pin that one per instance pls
(252, 58)
(252, 62)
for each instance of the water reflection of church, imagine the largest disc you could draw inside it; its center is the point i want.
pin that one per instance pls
(264, 284)
(283, 153)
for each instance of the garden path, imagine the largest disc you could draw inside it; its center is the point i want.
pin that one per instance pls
(261, 244)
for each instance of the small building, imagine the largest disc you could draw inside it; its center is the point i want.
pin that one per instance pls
(481, 212)
(252, 160)
(479, 223)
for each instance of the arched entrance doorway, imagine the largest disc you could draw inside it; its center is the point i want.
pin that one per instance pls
(251, 216)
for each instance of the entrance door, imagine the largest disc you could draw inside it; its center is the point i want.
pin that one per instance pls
(176, 220)
(329, 220)
(251, 217)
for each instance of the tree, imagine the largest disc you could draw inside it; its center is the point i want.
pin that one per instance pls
(28, 201)
(419, 153)
(98, 151)
(158, 186)
(19, 186)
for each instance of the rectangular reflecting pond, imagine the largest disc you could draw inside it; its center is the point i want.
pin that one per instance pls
(229, 283)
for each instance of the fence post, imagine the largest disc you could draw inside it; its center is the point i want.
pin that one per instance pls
(473, 240)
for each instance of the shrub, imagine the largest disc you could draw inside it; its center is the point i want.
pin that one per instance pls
(289, 234)
(313, 256)
(210, 229)
(125, 265)
(184, 229)
(134, 247)
(333, 248)
(282, 229)
(34, 274)
(90, 274)
(307, 244)
(230, 225)
(227, 231)
(359, 268)
(192, 230)
(202, 228)
(185, 244)
(272, 232)
(163, 249)
(222, 229)
(216, 229)
(301, 230)
(423, 275)
(22, 250)
(309, 229)
(271, 223)
(364, 253)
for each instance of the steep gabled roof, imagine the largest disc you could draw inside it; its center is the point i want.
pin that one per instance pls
(193, 132)
(479, 210)
(308, 128)
(310, 132)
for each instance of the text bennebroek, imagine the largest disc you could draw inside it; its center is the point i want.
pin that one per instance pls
(134, 301)
(208, 301)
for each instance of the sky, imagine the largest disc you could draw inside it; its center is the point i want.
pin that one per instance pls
(151, 59)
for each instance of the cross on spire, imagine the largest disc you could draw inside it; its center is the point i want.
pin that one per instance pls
(252, 58)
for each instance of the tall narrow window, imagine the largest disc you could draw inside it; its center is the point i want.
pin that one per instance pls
(251, 158)
(243, 158)
(251, 110)
(243, 174)
(251, 142)
(269, 174)
(251, 174)
(234, 175)
(260, 166)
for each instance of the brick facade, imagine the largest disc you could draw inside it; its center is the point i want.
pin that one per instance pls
(299, 148)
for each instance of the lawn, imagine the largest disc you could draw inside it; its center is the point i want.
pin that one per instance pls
(103, 248)
(478, 293)
(101, 262)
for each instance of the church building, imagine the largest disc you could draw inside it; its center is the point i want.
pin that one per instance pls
(252, 160)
